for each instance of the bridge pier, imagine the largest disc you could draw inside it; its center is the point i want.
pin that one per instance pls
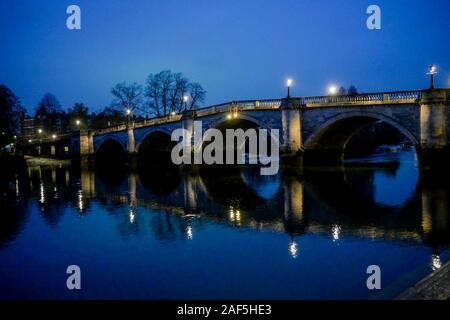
(86, 146)
(187, 123)
(131, 146)
(434, 128)
(291, 126)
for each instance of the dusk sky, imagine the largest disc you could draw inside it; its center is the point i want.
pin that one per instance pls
(235, 49)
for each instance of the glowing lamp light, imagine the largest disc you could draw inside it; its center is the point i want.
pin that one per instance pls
(332, 90)
(432, 70)
(436, 262)
(40, 131)
(229, 116)
(29, 140)
(293, 249)
(289, 82)
(185, 99)
(173, 113)
(128, 111)
(54, 136)
(78, 122)
(235, 115)
(189, 233)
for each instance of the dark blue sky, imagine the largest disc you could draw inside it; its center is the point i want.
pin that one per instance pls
(236, 49)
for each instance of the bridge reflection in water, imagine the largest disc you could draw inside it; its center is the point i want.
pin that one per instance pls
(337, 202)
(174, 206)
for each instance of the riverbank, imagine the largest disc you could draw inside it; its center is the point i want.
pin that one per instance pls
(38, 161)
(435, 286)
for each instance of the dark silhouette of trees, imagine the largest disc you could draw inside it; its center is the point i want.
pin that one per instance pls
(78, 116)
(49, 116)
(168, 92)
(127, 97)
(197, 95)
(342, 91)
(352, 91)
(47, 105)
(108, 117)
(11, 112)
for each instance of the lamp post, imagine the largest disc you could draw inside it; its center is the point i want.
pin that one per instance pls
(40, 141)
(289, 84)
(432, 70)
(128, 112)
(40, 132)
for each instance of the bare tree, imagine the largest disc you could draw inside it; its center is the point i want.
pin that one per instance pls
(342, 91)
(48, 104)
(127, 97)
(48, 113)
(178, 91)
(352, 91)
(157, 90)
(197, 94)
(165, 92)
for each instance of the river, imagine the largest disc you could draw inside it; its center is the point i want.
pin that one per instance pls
(167, 234)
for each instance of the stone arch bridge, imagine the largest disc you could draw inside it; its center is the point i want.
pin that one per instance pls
(316, 127)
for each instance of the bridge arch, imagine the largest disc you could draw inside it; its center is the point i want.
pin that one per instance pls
(330, 138)
(155, 147)
(106, 141)
(150, 134)
(223, 122)
(110, 151)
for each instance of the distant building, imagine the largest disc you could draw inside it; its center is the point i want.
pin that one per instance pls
(28, 128)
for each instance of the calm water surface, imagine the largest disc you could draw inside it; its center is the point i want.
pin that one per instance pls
(170, 235)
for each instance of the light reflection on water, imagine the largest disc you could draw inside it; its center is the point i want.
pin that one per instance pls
(159, 235)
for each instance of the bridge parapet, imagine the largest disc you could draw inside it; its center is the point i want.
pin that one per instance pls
(397, 97)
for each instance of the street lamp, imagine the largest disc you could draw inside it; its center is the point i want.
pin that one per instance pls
(289, 84)
(53, 136)
(332, 90)
(432, 70)
(128, 112)
(78, 122)
(39, 131)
